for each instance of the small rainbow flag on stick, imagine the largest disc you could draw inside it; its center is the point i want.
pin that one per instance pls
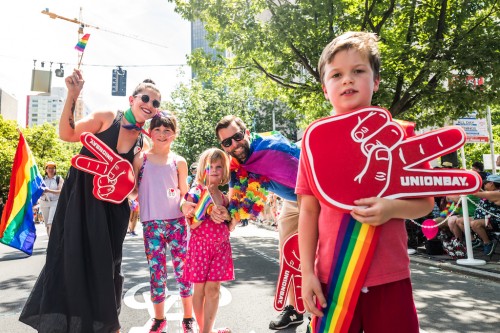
(17, 228)
(203, 203)
(82, 43)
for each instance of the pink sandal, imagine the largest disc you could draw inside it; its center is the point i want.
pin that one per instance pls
(223, 330)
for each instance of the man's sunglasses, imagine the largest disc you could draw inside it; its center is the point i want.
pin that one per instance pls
(238, 136)
(146, 98)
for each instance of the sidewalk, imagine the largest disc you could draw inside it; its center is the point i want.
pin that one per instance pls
(491, 270)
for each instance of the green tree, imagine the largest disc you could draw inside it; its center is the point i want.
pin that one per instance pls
(199, 109)
(44, 144)
(284, 119)
(9, 137)
(429, 48)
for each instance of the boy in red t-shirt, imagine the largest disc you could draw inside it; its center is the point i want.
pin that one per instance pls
(349, 70)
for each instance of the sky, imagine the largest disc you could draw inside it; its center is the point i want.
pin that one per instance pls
(127, 34)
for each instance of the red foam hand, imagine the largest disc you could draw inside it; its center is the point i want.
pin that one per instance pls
(290, 275)
(113, 176)
(366, 154)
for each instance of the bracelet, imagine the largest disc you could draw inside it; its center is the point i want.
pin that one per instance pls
(183, 201)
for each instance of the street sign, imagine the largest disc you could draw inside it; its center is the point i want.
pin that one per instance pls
(475, 129)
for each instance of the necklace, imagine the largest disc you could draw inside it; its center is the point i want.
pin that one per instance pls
(249, 193)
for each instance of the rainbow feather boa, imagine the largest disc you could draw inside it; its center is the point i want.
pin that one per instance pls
(249, 193)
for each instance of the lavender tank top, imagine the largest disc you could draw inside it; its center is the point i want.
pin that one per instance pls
(159, 194)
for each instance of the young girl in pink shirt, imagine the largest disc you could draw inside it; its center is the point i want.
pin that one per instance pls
(209, 259)
(161, 182)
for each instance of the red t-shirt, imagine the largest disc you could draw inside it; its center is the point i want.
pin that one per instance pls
(390, 262)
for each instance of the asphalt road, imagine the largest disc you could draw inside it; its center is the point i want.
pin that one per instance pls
(446, 302)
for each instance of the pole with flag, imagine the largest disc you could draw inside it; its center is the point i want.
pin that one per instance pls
(82, 43)
(17, 228)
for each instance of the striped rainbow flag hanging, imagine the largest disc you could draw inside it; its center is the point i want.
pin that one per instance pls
(353, 253)
(17, 228)
(82, 43)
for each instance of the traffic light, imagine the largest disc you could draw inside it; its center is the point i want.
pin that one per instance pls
(119, 82)
(60, 71)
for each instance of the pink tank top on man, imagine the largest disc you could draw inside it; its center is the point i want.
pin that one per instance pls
(154, 180)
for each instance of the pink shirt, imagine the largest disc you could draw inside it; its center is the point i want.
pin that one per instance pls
(159, 193)
(390, 262)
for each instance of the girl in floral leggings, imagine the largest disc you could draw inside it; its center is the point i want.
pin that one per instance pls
(161, 178)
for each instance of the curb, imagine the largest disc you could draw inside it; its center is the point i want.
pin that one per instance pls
(419, 259)
(466, 270)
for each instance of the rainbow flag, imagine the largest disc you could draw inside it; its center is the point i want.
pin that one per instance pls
(353, 253)
(82, 43)
(17, 228)
(273, 146)
(203, 203)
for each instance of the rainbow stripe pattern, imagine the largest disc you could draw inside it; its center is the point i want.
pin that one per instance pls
(82, 43)
(17, 228)
(353, 253)
(274, 147)
(203, 203)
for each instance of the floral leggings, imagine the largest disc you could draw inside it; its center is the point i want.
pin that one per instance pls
(157, 235)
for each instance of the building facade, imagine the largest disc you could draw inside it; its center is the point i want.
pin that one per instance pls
(8, 106)
(46, 108)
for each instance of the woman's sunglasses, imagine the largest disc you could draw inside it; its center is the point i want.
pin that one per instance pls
(146, 98)
(236, 137)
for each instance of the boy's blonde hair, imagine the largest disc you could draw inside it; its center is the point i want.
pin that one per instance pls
(363, 42)
(209, 156)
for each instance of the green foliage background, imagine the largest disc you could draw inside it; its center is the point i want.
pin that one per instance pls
(200, 107)
(269, 50)
(428, 49)
(44, 144)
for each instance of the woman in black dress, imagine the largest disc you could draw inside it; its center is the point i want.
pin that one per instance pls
(80, 287)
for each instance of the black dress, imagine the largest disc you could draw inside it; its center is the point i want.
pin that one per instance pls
(80, 287)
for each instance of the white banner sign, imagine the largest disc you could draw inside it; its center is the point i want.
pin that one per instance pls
(475, 129)
(487, 162)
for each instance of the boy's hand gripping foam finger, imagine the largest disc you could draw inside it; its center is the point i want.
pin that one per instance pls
(366, 154)
(113, 176)
(289, 275)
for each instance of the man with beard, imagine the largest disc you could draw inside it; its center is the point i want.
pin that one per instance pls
(273, 159)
